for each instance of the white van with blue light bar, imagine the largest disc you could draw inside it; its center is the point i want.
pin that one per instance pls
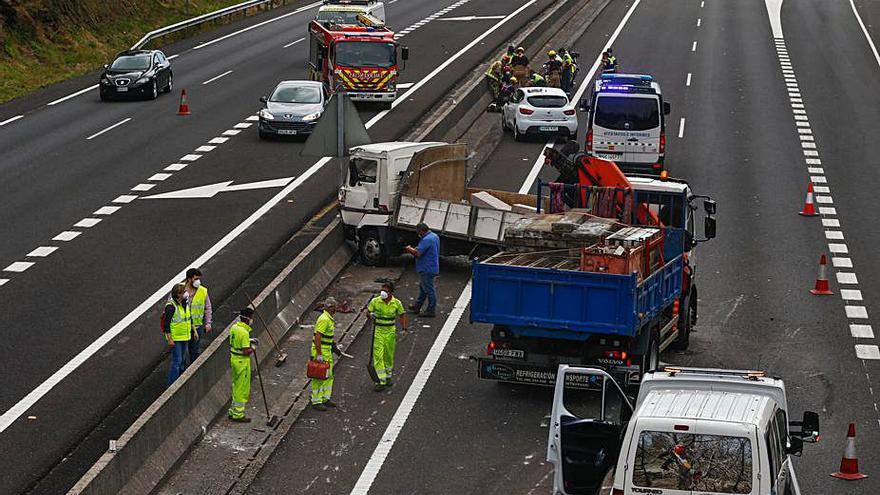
(627, 122)
(691, 431)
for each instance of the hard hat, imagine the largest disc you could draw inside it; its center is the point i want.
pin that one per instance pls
(678, 449)
(520, 49)
(551, 53)
(505, 58)
(513, 79)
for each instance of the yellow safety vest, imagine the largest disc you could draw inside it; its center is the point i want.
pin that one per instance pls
(181, 323)
(197, 306)
(386, 313)
(239, 338)
(325, 326)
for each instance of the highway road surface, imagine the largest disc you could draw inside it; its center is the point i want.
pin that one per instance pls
(86, 258)
(765, 100)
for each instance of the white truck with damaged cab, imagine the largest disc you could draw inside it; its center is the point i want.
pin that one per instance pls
(691, 431)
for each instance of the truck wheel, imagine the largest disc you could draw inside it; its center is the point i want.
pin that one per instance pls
(371, 249)
(651, 361)
(685, 319)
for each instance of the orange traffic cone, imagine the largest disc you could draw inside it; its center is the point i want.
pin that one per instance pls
(849, 464)
(184, 107)
(809, 209)
(822, 288)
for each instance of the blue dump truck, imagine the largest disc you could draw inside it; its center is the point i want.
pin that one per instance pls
(616, 303)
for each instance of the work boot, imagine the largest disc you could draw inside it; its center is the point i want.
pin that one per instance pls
(380, 387)
(241, 420)
(389, 383)
(319, 407)
(415, 308)
(329, 403)
(428, 313)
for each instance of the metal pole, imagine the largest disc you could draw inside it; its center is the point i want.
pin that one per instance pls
(340, 133)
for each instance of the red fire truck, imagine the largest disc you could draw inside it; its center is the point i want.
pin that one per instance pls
(362, 59)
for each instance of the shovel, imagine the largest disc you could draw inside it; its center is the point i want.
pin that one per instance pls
(271, 420)
(282, 356)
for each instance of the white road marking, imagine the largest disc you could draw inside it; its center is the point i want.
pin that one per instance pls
(211, 190)
(190, 158)
(209, 81)
(108, 129)
(254, 118)
(205, 149)
(293, 43)
(861, 331)
(815, 170)
(25, 403)
(125, 198)
(702, 4)
(856, 312)
(699, 21)
(838, 249)
(404, 85)
(688, 82)
(255, 26)
(106, 210)
(172, 57)
(231, 132)
(841, 262)
(219, 140)
(865, 31)
(834, 235)
(827, 210)
(242, 125)
(472, 18)
(74, 95)
(42, 251)
(830, 222)
(681, 128)
(19, 266)
(867, 351)
(87, 223)
(851, 294)
(822, 189)
(533, 173)
(3, 281)
(847, 278)
(377, 459)
(11, 120)
(694, 47)
(818, 179)
(143, 187)
(159, 177)
(174, 167)
(67, 235)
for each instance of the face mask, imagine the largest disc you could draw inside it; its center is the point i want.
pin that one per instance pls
(383, 294)
(197, 283)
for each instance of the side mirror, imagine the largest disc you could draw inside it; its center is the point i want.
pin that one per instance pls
(709, 228)
(264, 99)
(795, 446)
(710, 206)
(809, 427)
(404, 53)
(585, 105)
(667, 108)
(106, 66)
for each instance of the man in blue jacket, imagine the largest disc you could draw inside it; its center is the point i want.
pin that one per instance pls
(427, 255)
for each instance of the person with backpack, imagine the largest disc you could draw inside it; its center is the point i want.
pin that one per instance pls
(178, 330)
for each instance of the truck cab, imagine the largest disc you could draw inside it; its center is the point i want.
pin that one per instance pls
(627, 122)
(690, 431)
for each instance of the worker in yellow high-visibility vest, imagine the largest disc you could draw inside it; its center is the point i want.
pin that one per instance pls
(177, 328)
(384, 310)
(200, 307)
(240, 351)
(323, 348)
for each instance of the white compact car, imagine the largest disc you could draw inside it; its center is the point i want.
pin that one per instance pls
(533, 111)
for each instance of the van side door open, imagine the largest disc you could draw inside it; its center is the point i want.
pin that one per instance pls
(590, 413)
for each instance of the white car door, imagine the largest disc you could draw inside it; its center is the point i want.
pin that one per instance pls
(590, 413)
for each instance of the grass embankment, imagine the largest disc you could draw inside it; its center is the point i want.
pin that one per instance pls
(46, 41)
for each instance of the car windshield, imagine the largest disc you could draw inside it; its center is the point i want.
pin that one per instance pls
(365, 54)
(339, 17)
(687, 461)
(296, 94)
(132, 62)
(547, 101)
(627, 114)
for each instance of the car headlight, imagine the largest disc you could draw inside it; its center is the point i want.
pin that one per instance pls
(312, 116)
(142, 80)
(265, 114)
(104, 80)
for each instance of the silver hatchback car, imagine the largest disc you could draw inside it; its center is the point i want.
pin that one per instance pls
(292, 109)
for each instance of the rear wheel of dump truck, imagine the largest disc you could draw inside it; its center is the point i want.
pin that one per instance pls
(371, 249)
(685, 319)
(651, 360)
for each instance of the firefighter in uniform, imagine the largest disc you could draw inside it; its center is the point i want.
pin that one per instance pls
(323, 348)
(384, 310)
(240, 351)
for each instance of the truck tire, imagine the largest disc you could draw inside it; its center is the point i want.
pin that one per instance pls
(371, 249)
(685, 319)
(651, 361)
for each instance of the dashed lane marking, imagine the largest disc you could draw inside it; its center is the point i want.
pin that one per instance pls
(114, 126)
(688, 82)
(87, 223)
(293, 43)
(258, 25)
(209, 81)
(694, 47)
(67, 235)
(73, 95)
(681, 128)
(861, 331)
(206, 148)
(18, 266)
(867, 351)
(847, 278)
(125, 199)
(856, 312)
(190, 158)
(107, 210)
(159, 177)
(42, 251)
(219, 140)
(242, 125)
(174, 167)
(839, 262)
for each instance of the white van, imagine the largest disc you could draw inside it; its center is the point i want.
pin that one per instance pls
(627, 122)
(691, 431)
(346, 11)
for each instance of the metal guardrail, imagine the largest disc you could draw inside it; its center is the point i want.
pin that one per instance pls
(195, 21)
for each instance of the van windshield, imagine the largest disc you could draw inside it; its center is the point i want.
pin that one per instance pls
(622, 113)
(687, 461)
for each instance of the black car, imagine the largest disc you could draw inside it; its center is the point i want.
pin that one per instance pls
(136, 73)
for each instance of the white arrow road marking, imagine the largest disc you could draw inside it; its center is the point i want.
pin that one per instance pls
(473, 18)
(211, 190)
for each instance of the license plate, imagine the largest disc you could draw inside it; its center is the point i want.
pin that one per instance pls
(548, 128)
(509, 353)
(289, 132)
(122, 90)
(609, 156)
